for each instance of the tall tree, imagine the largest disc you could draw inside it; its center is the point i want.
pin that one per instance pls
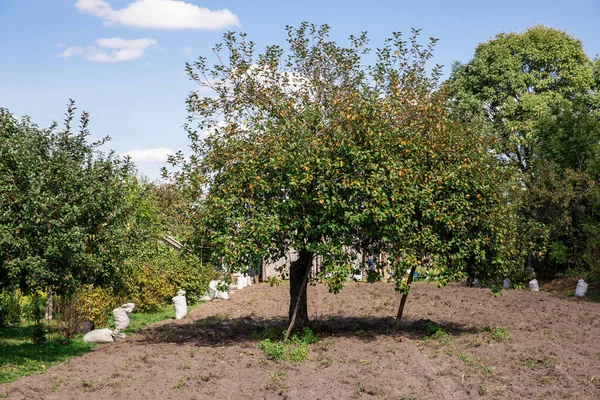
(518, 79)
(317, 151)
(64, 207)
(540, 93)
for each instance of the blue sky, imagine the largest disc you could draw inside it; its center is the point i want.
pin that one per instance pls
(123, 60)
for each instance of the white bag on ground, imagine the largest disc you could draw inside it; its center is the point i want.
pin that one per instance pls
(249, 280)
(534, 286)
(242, 282)
(121, 316)
(207, 296)
(212, 289)
(581, 288)
(506, 284)
(180, 304)
(223, 295)
(99, 336)
(232, 289)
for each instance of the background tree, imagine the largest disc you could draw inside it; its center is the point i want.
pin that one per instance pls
(539, 92)
(314, 150)
(517, 79)
(63, 207)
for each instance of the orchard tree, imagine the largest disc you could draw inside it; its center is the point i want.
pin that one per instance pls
(64, 207)
(315, 150)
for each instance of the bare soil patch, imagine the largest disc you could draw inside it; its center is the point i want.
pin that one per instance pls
(519, 345)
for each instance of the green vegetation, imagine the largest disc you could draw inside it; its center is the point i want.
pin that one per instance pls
(322, 148)
(22, 357)
(539, 93)
(293, 350)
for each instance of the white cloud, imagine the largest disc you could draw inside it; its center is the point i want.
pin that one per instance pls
(158, 155)
(159, 14)
(112, 50)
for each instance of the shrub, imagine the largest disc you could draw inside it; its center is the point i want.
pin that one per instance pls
(10, 307)
(69, 315)
(155, 278)
(96, 304)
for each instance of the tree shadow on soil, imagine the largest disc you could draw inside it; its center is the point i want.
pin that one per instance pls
(221, 330)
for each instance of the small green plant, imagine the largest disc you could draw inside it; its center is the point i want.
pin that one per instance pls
(500, 334)
(476, 364)
(273, 350)
(293, 350)
(267, 333)
(274, 280)
(180, 383)
(482, 390)
(434, 331)
(497, 333)
(534, 363)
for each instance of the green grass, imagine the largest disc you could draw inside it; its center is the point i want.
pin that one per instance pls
(293, 350)
(19, 356)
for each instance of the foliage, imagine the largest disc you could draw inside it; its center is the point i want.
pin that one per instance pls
(539, 92)
(293, 349)
(153, 279)
(318, 151)
(96, 304)
(10, 308)
(172, 208)
(516, 79)
(63, 207)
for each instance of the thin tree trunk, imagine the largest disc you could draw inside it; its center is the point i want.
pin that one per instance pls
(299, 271)
(396, 328)
(48, 308)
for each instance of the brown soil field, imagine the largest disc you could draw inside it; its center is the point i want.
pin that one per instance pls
(519, 345)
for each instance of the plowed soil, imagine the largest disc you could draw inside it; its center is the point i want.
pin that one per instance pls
(519, 345)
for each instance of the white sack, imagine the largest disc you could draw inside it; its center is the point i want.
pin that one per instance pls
(99, 336)
(533, 286)
(121, 316)
(506, 284)
(581, 288)
(180, 304)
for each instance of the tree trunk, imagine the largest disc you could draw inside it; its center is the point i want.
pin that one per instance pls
(48, 308)
(299, 270)
(396, 328)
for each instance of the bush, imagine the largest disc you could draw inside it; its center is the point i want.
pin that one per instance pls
(96, 304)
(10, 307)
(153, 280)
(69, 315)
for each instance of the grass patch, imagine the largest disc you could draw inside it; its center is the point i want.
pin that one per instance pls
(293, 350)
(138, 321)
(496, 333)
(21, 357)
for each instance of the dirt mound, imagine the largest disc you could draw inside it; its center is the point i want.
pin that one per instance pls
(456, 343)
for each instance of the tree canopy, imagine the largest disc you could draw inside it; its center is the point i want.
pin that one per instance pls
(64, 206)
(316, 151)
(518, 80)
(540, 93)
